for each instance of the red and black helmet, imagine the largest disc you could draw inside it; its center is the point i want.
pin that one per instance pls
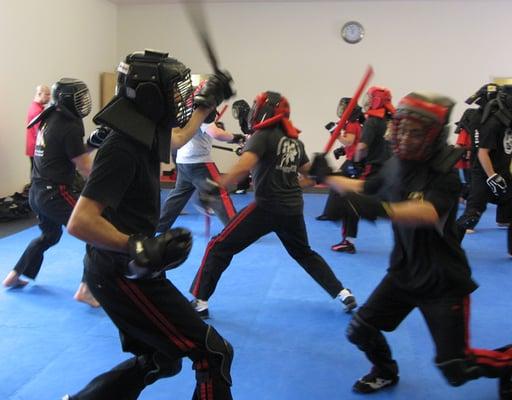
(418, 125)
(268, 107)
(378, 97)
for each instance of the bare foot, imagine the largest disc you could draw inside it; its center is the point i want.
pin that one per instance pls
(12, 280)
(84, 295)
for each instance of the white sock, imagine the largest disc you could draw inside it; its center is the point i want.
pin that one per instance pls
(344, 294)
(201, 305)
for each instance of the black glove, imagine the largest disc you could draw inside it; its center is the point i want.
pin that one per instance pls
(220, 125)
(151, 256)
(237, 138)
(330, 126)
(339, 152)
(320, 168)
(352, 169)
(97, 136)
(368, 207)
(497, 184)
(215, 91)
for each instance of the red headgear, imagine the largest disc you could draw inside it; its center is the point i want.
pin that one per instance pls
(418, 125)
(378, 98)
(270, 108)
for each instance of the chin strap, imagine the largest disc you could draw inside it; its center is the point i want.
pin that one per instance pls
(290, 130)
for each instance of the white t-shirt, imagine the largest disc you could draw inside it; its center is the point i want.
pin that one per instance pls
(197, 150)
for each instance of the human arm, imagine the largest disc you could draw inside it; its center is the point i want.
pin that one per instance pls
(369, 207)
(240, 170)
(87, 224)
(83, 164)
(180, 136)
(485, 161)
(219, 133)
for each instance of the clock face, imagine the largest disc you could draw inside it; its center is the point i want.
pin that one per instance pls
(352, 32)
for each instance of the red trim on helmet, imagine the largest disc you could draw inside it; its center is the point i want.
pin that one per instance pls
(378, 113)
(437, 110)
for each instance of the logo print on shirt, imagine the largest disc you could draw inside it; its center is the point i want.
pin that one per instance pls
(288, 152)
(507, 141)
(40, 143)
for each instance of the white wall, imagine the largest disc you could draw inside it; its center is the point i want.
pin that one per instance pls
(447, 46)
(42, 41)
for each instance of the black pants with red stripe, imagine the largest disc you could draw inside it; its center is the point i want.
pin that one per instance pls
(191, 178)
(53, 205)
(244, 229)
(447, 318)
(157, 325)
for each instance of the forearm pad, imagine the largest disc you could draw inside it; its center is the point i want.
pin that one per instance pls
(368, 207)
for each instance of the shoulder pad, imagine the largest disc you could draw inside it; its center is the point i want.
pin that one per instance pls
(446, 158)
(42, 116)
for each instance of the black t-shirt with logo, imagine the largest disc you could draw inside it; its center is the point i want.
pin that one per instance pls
(126, 179)
(59, 140)
(372, 136)
(426, 260)
(496, 137)
(275, 176)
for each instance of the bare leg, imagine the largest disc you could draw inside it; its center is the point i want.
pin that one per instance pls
(13, 280)
(84, 295)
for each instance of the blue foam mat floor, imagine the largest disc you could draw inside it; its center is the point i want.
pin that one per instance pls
(287, 333)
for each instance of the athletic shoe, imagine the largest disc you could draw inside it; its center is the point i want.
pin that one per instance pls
(505, 387)
(470, 231)
(502, 224)
(201, 308)
(373, 382)
(240, 191)
(344, 247)
(322, 217)
(348, 300)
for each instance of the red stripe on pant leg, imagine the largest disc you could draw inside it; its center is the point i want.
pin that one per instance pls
(68, 198)
(154, 315)
(162, 317)
(483, 356)
(224, 196)
(219, 238)
(466, 303)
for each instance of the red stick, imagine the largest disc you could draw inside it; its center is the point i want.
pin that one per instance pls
(222, 111)
(341, 123)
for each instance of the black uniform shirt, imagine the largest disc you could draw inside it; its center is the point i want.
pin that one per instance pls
(275, 176)
(378, 151)
(126, 179)
(427, 260)
(59, 140)
(493, 135)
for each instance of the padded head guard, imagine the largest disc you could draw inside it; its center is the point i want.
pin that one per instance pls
(154, 95)
(418, 125)
(72, 97)
(270, 108)
(483, 95)
(356, 112)
(240, 111)
(377, 97)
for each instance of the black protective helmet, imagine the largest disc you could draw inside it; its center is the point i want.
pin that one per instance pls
(72, 97)
(160, 87)
(154, 95)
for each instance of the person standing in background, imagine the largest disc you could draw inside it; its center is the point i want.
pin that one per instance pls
(41, 98)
